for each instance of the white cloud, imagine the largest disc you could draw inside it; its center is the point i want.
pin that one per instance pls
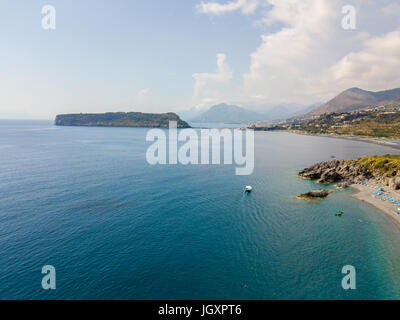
(375, 67)
(305, 56)
(141, 97)
(142, 100)
(282, 67)
(246, 7)
(208, 87)
(392, 9)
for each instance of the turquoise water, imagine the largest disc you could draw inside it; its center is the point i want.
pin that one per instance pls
(85, 201)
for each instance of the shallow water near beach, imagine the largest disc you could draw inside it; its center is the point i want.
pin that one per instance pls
(85, 201)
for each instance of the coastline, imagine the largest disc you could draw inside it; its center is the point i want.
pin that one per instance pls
(365, 194)
(392, 143)
(374, 178)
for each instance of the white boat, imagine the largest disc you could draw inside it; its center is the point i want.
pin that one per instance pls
(248, 188)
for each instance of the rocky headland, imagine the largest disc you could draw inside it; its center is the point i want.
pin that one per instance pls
(383, 170)
(376, 178)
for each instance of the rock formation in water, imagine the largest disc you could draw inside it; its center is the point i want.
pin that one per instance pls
(314, 195)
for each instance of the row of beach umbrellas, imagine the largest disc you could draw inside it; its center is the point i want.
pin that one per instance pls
(376, 193)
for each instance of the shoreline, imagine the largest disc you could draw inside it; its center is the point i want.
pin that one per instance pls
(385, 142)
(375, 180)
(365, 194)
(379, 141)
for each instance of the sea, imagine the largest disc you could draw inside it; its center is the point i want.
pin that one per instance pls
(85, 201)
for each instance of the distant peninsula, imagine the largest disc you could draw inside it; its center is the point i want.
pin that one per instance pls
(120, 119)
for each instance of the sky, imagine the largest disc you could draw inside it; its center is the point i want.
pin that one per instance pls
(161, 56)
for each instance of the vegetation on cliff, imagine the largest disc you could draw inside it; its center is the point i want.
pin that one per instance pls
(376, 122)
(120, 119)
(384, 170)
(388, 165)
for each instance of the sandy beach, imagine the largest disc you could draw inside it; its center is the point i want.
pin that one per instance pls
(365, 194)
(392, 143)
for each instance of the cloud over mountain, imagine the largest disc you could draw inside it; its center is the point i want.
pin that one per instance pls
(305, 55)
(208, 86)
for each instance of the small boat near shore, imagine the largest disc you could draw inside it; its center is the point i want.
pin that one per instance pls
(248, 188)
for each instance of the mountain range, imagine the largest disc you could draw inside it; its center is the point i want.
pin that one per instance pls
(224, 113)
(349, 100)
(355, 99)
(228, 114)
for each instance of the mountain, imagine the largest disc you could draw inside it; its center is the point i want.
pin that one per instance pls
(355, 98)
(189, 115)
(281, 112)
(120, 119)
(306, 110)
(235, 114)
(224, 113)
(278, 112)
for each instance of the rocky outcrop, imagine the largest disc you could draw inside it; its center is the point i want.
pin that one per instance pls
(394, 183)
(347, 172)
(314, 195)
(344, 185)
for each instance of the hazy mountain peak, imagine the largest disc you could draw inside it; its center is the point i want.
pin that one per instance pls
(229, 114)
(356, 98)
(355, 89)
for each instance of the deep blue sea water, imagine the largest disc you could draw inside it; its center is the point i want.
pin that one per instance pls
(85, 201)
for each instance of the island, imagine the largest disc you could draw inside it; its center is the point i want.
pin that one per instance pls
(120, 119)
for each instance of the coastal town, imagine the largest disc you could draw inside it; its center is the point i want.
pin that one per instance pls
(382, 121)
